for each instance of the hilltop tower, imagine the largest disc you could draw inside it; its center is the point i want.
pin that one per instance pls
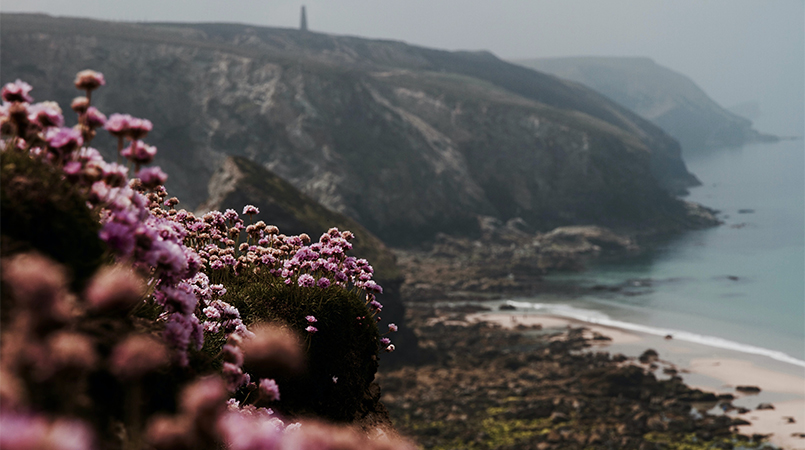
(303, 20)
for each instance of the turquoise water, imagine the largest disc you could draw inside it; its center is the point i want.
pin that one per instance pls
(740, 285)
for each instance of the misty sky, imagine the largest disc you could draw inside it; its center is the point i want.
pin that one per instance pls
(736, 50)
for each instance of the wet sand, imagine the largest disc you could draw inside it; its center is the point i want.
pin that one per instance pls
(707, 368)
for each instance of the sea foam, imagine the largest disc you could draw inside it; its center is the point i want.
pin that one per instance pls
(599, 318)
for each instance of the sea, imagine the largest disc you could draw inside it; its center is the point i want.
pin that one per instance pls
(739, 286)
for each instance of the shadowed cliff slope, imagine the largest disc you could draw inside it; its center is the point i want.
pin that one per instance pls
(667, 98)
(407, 141)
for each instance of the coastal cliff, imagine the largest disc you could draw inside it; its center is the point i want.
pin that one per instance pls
(667, 98)
(407, 141)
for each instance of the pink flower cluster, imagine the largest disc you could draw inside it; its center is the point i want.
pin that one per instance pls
(166, 257)
(322, 264)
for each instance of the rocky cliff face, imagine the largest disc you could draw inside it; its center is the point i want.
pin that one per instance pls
(667, 98)
(407, 141)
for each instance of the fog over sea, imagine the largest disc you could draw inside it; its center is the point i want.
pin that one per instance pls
(738, 286)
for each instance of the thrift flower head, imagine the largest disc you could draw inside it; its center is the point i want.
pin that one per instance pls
(139, 152)
(311, 319)
(234, 376)
(69, 350)
(46, 114)
(117, 124)
(269, 389)
(80, 105)
(139, 128)
(272, 351)
(66, 139)
(28, 432)
(306, 280)
(137, 356)
(94, 118)
(17, 92)
(169, 433)
(311, 329)
(392, 327)
(89, 80)
(232, 354)
(152, 177)
(114, 289)
(205, 397)
(243, 431)
(250, 210)
(37, 283)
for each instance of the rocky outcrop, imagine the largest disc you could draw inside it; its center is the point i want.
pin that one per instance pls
(240, 182)
(505, 260)
(407, 141)
(667, 98)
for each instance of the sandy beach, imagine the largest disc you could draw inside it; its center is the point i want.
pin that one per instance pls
(716, 370)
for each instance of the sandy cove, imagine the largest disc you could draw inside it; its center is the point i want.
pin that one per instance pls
(716, 370)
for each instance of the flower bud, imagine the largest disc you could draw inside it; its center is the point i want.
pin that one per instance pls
(80, 105)
(89, 80)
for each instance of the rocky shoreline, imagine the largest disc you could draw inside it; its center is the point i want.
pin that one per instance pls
(484, 386)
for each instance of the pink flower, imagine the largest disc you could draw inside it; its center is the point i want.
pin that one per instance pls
(234, 376)
(115, 175)
(373, 287)
(17, 92)
(323, 283)
(114, 289)
(250, 210)
(306, 280)
(73, 168)
(66, 139)
(94, 118)
(152, 177)
(204, 398)
(311, 329)
(137, 356)
(117, 124)
(311, 319)
(232, 354)
(385, 341)
(46, 114)
(139, 128)
(269, 389)
(390, 348)
(272, 351)
(89, 80)
(392, 327)
(142, 153)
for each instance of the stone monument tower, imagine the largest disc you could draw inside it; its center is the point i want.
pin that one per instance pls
(303, 20)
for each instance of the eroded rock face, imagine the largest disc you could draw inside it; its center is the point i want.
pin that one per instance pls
(408, 141)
